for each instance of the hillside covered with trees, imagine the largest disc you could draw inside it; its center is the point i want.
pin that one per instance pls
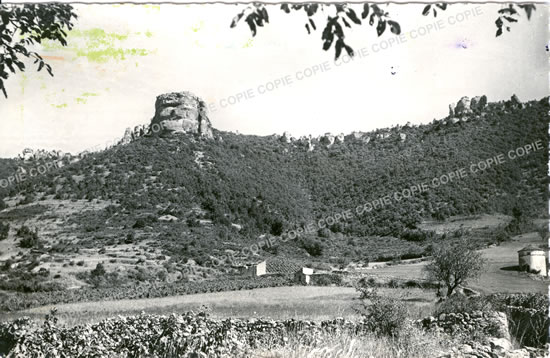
(225, 192)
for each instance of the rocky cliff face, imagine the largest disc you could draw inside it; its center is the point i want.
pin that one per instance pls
(466, 106)
(182, 112)
(29, 154)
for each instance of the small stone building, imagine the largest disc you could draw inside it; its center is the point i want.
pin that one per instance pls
(255, 269)
(533, 259)
(303, 275)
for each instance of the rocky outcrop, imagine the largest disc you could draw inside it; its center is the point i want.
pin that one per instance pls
(127, 138)
(182, 112)
(339, 138)
(139, 131)
(515, 102)
(383, 135)
(452, 110)
(358, 136)
(29, 154)
(286, 137)
(327, 140)
(463, 106)
(492, 348)
(478, 103)
(310, 146)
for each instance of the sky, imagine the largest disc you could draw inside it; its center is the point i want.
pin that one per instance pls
(120, 57)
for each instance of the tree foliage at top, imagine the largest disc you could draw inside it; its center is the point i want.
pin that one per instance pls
(342, 16)
(22, 27)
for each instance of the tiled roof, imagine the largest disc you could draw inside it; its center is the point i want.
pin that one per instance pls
(283, 266)
(529, 248)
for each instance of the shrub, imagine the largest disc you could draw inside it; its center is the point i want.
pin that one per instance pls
(326, 279)
(30, 242)
(313, 247)
(98, 271)
(385, 316)
(276, 228)
(130, 238)
(4, 230)
(144, 221)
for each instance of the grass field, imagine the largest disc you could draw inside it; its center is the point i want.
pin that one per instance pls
(299, 302)
(498, 277)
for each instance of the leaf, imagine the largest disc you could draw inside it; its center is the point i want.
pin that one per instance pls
(435, 12)
(3, 88)
(338, 29)
(346, 23)
(349, 50)
(312, 9)
(285, 8)
(353, 16)
(442, 6)
(328, 41)
(265, 14)
(394, 27)
(236, 19)
(509, 10)
(5, 17)
(499, 22)
(328, 30)
(426, 10)
(312, 24)
(381, 27)
(529, 10)
(499, 32)
(371, 20)
(510, 19)
(307, 28)
(19, 65)
(8, 62)
(365, 12)
(339, 45)
(251, 24)
(40, 66)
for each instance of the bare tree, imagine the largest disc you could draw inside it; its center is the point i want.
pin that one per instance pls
(454, 265)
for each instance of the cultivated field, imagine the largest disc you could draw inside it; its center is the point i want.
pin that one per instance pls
(299, 302)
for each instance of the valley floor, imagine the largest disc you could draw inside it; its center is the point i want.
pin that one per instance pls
(299, 302)
(500, 276)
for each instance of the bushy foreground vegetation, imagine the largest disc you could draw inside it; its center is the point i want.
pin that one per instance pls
(196, 335)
